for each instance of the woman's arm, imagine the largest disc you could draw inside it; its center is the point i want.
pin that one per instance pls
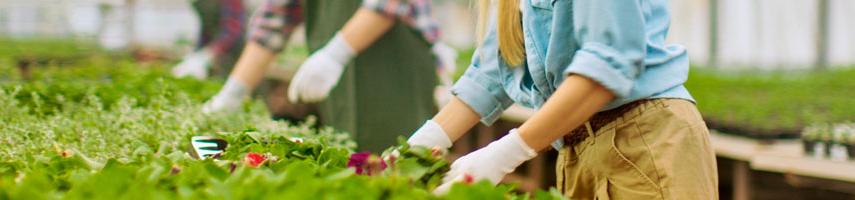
(364, 28)
(456, 118)
(575, 100)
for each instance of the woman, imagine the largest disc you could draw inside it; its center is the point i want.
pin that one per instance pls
(609, 94)
(366, 64)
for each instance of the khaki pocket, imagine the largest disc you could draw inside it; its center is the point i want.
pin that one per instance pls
(633, 173)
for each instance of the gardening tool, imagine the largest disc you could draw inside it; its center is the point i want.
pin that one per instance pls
(204, 147)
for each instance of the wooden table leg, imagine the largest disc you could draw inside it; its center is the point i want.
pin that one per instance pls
(741, 180)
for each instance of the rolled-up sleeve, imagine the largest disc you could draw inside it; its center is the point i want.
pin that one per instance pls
(613, 43)
(480, 87)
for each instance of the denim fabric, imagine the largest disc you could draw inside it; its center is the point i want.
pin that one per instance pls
(618, 43)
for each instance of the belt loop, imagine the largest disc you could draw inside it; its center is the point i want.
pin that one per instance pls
(590, 131)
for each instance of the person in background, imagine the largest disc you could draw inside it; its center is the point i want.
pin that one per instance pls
(609, 96)
(220, 38)
(324, 69)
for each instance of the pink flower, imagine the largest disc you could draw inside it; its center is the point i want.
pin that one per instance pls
(468, 178)
(175, 169)
(366, 164)
(391, 160)
(436, 152)
(254, 159)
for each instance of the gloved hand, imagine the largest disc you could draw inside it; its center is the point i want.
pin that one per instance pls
(447, 58)
(321, 72)
(194, 65)
(229, 98)
(430, 135)
(492, 162)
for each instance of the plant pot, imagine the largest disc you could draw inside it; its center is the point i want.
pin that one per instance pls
(839, 152)
(808, 146)
(826, 150)
(851, 149)
(819, 150)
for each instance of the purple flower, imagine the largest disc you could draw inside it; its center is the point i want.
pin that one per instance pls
(366, 164)
(232, 167)
(175, 170)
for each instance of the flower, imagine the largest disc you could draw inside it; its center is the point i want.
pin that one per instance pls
(436, 152)
(254, 159)
(366, 164)
(391, 157)
(296, 140)
(232, 167)
(468, 178)
(175, 170)
(66, 153)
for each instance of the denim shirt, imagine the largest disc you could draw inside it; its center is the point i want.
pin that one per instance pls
(619, 44)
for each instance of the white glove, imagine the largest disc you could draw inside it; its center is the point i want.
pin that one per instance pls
(321, 72)
(430, 135)
(492, 163)
(194, 65)
(229, 98)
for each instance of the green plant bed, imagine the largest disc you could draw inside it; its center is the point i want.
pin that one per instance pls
(47, 48)
(774, 104)
(118, 130)
(28, 53)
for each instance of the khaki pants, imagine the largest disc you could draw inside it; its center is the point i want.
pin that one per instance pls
(658, 150)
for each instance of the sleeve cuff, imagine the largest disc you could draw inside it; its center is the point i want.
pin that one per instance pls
(599, 70)
(489, 105)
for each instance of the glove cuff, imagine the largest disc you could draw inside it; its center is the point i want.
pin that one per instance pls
(234, 87)
(513, 150)
(339, 50)
(203, 55)
(430, 135)
(517, 139)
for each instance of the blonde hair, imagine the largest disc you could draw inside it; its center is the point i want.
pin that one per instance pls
(509, 29)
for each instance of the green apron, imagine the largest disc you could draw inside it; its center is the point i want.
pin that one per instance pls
(209, 19)
(387, 91)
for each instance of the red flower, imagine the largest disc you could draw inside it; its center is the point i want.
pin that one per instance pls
(366, 164)
(254, 159)
(468, 179)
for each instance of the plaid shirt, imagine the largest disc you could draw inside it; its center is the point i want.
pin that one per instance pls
(274, 22)
(231, 27)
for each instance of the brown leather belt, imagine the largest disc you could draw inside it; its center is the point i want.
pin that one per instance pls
(598, 121)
